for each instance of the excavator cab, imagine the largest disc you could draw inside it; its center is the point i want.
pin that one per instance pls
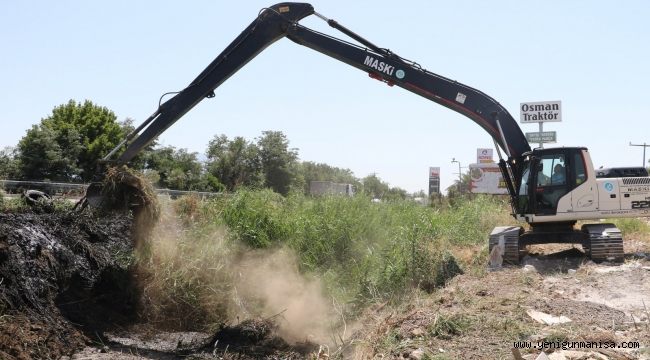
(549, 175)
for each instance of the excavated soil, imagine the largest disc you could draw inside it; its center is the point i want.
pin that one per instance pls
(58, 269)
(69, 289)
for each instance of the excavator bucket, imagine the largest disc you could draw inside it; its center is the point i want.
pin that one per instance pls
(122, 189)
(93, 196)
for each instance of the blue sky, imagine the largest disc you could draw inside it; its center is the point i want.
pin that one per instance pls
(591, 55)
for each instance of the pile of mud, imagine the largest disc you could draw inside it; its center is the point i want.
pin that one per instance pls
(62, 268)
(256, 339)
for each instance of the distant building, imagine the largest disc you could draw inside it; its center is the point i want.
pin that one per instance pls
(330, 188)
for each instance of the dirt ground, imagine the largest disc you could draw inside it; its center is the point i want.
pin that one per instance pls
(66, 293)
(482, 316)
(476, 316)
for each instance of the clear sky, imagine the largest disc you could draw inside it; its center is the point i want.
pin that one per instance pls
(594, 56)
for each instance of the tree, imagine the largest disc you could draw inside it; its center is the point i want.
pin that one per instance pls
(177, 169)
(234, 163)
(9, 165)
(465, 186)
(278, 161)
(395, 193)
(43, 157)
(419, 194)
(373, 186)
(67, 145)
(310, 171)
(139, 161)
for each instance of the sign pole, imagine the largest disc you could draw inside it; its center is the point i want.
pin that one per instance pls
(644, 147)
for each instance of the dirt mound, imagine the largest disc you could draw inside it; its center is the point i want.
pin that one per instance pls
(61, 267)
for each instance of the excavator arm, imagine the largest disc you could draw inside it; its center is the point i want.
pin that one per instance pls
(270, 25)
(281, 20)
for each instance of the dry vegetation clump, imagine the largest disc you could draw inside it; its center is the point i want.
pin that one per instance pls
(126, 189)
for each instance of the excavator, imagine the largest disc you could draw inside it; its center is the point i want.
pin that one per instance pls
(551, 189)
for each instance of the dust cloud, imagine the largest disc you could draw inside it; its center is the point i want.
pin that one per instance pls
(272, 281)
(229, 282)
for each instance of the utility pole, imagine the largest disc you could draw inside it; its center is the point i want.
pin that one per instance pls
(460, 178)
(644, 147)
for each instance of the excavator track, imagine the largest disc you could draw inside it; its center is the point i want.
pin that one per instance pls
(507, 237)
(604, 242)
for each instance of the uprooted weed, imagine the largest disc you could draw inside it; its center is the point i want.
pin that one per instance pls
(124, 188)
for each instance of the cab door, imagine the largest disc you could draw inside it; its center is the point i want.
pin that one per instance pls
(584, 197)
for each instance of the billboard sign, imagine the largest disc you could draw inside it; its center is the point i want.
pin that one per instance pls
(434, 180)
(541, 111)
(486, 178)
(484, 156)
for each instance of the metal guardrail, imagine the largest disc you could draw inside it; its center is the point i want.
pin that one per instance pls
(41, 185)
(177, 193)
(57, 188)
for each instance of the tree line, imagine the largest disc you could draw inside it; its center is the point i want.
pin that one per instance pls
(67, 145)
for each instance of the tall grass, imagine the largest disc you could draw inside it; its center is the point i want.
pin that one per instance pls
(183, 270)
(361, 251)
(631, 226)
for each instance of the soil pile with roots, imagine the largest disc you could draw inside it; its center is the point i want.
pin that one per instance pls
(57, 269)
(76, 267)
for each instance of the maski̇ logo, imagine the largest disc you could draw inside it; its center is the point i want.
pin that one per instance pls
(379, 65)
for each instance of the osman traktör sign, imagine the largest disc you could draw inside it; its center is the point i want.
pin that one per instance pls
(541, 111)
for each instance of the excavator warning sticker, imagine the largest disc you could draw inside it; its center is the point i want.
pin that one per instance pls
(460, 97)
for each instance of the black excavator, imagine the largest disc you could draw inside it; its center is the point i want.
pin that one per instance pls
(550, 205)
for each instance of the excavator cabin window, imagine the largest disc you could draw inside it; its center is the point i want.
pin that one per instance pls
(551, 182)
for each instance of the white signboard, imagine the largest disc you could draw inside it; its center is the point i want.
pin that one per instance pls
(484, 156)
(542, 137)
(542, 111)
(487, 179)
(434, 172)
